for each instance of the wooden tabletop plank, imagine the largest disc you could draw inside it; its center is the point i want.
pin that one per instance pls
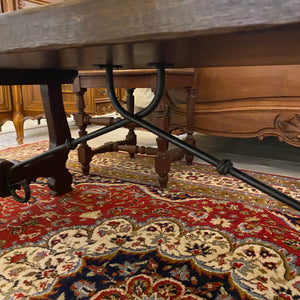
(187, 33)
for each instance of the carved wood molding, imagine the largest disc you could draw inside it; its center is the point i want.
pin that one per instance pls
(286, 128)
(289, 127)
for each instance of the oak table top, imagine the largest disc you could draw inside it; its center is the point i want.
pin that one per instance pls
(77, 34)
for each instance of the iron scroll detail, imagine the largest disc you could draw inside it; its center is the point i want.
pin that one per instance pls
(17, 186)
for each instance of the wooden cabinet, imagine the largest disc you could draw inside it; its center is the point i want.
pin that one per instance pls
(8, 5)
(18, 103)
(96, 100)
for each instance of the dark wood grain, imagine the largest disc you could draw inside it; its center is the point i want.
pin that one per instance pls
(79, 33)
(23, 76)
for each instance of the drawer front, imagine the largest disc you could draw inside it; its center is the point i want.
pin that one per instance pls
(5, 99)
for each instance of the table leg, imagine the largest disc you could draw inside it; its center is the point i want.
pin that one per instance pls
(82, 119)
(60, 179)
(162, 159)
(131, 138)
(18, 117)
(191, 99)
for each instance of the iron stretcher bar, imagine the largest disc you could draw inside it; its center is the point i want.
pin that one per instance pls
(225, 165)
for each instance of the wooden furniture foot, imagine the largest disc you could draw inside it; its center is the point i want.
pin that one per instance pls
(162, 162)
(84, 152)
(60, 183)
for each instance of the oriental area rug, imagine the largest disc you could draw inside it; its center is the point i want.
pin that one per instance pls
(117, 235)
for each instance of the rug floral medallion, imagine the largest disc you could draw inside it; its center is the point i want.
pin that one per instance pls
(116, 239)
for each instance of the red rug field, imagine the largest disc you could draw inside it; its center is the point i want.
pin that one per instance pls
(118, 236)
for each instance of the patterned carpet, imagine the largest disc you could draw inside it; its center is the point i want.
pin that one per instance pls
(112, 237)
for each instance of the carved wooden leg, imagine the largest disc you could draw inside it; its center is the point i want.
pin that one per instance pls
(82, 119)
(162, 159)
(18, 121)
(60, 180)
(18, 118)
(191, 98)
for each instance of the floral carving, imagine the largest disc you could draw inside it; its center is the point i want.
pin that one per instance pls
(290, 128)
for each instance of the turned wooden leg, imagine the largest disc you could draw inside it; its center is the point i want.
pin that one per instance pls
(18, 118)
(85, 155)
(18, 121)
(162, 162)
(191, 98)
(60, 180)
(131, 136)
(162, 159)
(82, 120)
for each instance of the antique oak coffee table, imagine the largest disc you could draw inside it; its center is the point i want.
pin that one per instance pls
(48, 45)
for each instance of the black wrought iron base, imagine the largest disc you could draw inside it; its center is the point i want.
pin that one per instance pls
(222, 166)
